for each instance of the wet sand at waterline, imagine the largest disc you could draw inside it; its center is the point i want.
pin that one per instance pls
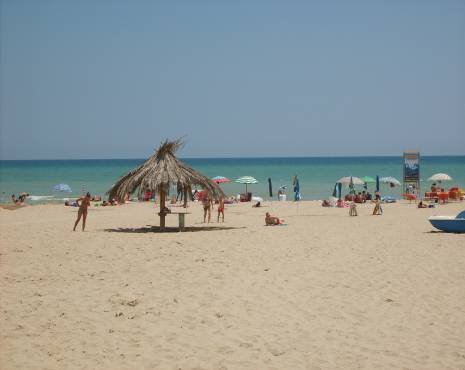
(326, 291)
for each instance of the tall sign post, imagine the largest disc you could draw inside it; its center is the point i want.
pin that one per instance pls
(412, 173)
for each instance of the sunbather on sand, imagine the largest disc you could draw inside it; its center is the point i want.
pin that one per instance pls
(272, 220)
(422, 205)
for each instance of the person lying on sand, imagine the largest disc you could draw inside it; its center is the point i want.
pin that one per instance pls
(257, 205)
(422, 205)
(70, 204)
(272, 220)
(82, 212)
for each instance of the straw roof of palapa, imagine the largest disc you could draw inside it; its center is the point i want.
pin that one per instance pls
(160, 171)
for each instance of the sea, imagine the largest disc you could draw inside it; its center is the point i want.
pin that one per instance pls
(317, 175)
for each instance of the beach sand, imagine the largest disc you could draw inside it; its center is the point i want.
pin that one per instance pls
(326, 291)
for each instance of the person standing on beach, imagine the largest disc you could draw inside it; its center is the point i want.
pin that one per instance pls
(82, 211)
(353, 209)
(220, 209)
(207, 207)
(377, 211)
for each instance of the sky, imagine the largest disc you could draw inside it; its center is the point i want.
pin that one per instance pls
(112, 79)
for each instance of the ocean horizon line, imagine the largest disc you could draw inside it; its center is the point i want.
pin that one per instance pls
(232, 158)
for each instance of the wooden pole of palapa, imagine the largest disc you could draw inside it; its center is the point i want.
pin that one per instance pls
(162, 209)
(185, 197)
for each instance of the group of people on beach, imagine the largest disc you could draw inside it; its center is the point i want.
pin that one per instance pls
(207, 204)
(350, 201)
(20, 199)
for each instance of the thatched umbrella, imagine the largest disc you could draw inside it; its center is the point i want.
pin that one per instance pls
(160, 171)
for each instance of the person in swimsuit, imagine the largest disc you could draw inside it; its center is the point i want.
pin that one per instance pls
(377, 211)
(272, 220)
(207, 207)
(82, 212)
(220, 209)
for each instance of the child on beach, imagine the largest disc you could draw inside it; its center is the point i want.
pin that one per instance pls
(220, 209)
(353, 209)
(82, 211)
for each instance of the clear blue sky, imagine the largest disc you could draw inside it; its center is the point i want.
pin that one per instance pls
(111, 79)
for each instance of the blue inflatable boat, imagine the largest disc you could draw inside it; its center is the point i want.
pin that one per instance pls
(449, 224)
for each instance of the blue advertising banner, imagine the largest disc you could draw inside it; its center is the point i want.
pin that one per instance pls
(412, 173)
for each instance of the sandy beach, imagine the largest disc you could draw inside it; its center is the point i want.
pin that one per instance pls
(326, 291)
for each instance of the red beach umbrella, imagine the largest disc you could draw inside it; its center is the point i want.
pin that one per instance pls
(221, 179)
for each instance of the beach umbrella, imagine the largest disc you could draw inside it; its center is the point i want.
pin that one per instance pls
(390, 180)
(337, 192)
(270, 187)
(350, 179)
(351, 186)
(440, 177)
(297, 195)
(246, 180)
(221, 179)
(157, 174)
(368, 180)
(377, 183)
(62, 188)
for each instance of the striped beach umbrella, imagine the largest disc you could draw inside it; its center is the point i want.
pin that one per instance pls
(221, 179)
(247, 180)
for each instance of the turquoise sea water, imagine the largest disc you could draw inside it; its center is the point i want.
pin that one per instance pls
(317, 175)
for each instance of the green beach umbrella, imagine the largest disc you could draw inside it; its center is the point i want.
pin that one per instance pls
(368, 180)
(246, 180)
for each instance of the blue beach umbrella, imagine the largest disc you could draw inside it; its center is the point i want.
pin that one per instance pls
(297, 196)
(377, 183)
(270, 187)
(337, 192)
(62, 188)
